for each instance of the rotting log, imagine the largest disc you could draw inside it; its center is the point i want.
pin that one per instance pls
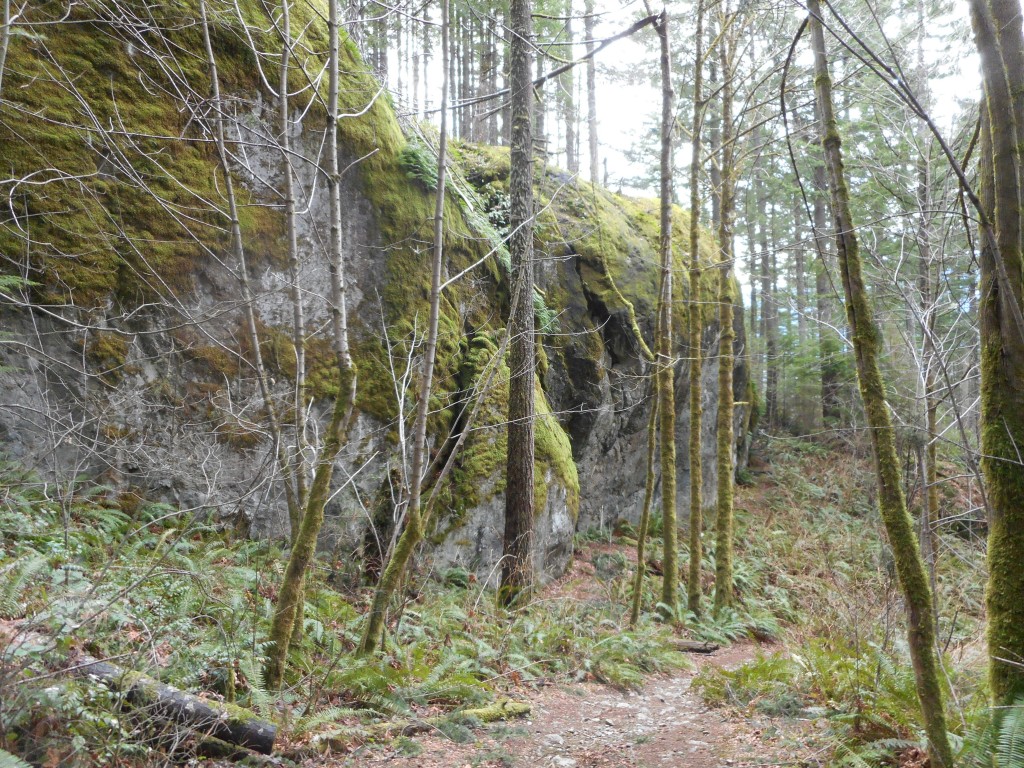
(220, 720)
(694, 646)
(503, 709)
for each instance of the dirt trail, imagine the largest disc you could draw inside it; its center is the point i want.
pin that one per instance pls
(588, 725)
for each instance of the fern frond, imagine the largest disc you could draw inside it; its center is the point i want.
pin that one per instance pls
(7, 760)
(306, 725)
(1010, 742)
(13, 580)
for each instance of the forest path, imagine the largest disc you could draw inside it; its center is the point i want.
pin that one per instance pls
(588, 725)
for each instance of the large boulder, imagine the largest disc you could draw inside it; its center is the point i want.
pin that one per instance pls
(127, 361)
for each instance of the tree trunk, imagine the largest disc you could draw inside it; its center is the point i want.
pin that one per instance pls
(726, 440)
(898, 523)
(1000, 41)
(412, 533)
(645, 515)
(714, 142)
(829, 350)
(490, 65)
(516, 568)
(800, 268)
(289, 601)
(666, 360)
(298, 463)
(219, 720)
(567, 99)
(769, 313)
(540, 137)
(752, 262)
(588, 26)
(426, 64)
(696, 328)
(926, 308)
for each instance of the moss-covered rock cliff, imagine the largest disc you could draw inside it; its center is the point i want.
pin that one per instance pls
(127, 359)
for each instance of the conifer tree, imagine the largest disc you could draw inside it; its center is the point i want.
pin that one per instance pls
(516, 568)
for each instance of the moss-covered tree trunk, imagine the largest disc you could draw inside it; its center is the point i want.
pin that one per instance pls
(696, 327)
(829, 352)
(287, 612)
(892, 504)
(665, 358)
(726, 440)
(412, 533)
(645, 515)
(1000, 41)
(516, 567)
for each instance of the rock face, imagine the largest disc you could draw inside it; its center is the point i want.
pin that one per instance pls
(126, 360)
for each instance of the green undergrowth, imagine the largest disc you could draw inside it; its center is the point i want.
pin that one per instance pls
(182, 600)
(811, 547)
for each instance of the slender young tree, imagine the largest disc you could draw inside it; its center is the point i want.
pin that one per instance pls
(666, 361)
(726, 440)
(828, 345)
(1000, 41)
(291, 224)
(567, 98)
(696, 327)
(289, 601)
(415, 524)
(866, 339)
(588, 26)
(645, 515)
(516, 567)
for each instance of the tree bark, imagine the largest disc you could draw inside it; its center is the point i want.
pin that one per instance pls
(645, 514)
(588, 27)
(666, 360)
(829, 352)
(695, 329)
(1000, 42)
(298, 462)
(516, 566)
(892, 504)
(567, 99)
(726, 439)
(769, 312)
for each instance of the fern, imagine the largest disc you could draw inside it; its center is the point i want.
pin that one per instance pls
(306, 725)
(12, 583)
(419, 163)
(1010, 742)
(7, 760)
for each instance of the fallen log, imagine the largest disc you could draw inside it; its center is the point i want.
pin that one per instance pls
(503, 709)
(227, 722)
(694, 646)
(220, 720)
